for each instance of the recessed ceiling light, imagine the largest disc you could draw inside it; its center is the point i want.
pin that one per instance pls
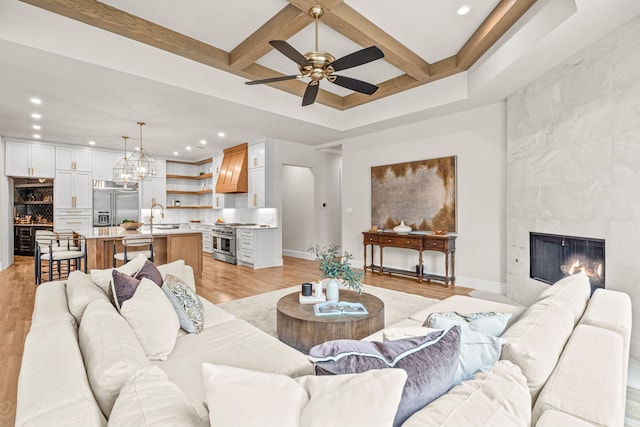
(36, 136)
(36, 127)
(36, 116)
(221, 134)
(92, 143)
(188, 148)
(175, 153)
(464, 9)
(203, 141)
(36, 101)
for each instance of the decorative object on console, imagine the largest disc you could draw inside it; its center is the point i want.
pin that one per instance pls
(422, 192)
(145, 166)
(402, 228)
(334, 265)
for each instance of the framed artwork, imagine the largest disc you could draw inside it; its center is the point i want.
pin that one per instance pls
(420, 193)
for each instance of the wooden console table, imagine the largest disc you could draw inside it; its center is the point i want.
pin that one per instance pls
(419, 242)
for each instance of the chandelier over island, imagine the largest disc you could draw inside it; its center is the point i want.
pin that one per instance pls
(144, 165)
(124, 171)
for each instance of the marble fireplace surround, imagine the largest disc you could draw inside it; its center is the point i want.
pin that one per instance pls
(573, 150)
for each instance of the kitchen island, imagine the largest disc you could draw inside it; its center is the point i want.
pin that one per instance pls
(169, 244)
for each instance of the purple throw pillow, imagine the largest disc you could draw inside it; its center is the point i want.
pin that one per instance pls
(124, 286)
(150, 272)
(430, 361)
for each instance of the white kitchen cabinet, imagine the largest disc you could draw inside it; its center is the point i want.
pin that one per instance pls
(25, 159)
(215, 166)
(257, 188)
(71, 222)
(73, 159)
(255, 247)
(72, 190)
(103, 163)
(206, 236)
(261, 174)
(256, 154)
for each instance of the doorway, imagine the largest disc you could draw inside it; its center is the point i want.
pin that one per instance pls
(298, 213)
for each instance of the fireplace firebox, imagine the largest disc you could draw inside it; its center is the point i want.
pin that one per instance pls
(554, 257)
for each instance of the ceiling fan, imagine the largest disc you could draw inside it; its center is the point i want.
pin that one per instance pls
(318, 65)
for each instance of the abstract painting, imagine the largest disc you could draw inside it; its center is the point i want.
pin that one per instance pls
(420, 193)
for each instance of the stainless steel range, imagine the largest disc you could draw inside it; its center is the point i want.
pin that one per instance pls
(224, 242)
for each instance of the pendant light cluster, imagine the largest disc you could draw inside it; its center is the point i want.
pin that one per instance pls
(137, 167)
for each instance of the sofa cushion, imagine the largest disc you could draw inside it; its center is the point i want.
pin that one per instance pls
(233, 343)
(592, 366)
(110, 350)
(240, 397)
(536, 340)
(487, 322)
(431, 362)
(153, 320)
(186, 304)
(53, 389)
(466, 304)
(179, 269)
(498, 397)
(81, 290)
(574, 292)
(103, 278)
(560, 419)
(478, 350)
(50, 305)
(151, 272)
(401, 327)
(148, 398)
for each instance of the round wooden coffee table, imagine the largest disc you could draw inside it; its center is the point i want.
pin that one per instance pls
(301, 329)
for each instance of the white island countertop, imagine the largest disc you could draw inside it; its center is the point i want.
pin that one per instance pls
(145, 230)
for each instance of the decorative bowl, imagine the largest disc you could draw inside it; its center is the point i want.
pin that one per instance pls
(440, 232)
(131, 225)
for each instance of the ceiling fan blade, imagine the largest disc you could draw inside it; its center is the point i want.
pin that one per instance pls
(357, 58)
(354, 84)
(311, 93)
(271, 80)
(290, 52)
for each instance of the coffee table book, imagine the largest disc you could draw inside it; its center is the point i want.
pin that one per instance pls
(341, 308)
(311, 299)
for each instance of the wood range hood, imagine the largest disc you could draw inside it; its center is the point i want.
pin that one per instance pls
(233, 176)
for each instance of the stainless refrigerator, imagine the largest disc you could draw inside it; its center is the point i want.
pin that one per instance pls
(113, 203)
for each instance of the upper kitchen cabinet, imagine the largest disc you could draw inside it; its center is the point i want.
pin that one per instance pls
(26, 159)
(103, 163)
(73, 191)
(261, 174)
(73, 159)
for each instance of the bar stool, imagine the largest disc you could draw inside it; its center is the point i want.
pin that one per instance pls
(132, 247)
(62, 250)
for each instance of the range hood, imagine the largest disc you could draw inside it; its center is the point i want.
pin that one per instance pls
(233, 172)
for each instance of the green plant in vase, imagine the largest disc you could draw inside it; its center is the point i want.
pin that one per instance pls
(335, 265)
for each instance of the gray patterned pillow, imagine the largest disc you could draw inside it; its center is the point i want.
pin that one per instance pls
(186, 303)
(430, 361)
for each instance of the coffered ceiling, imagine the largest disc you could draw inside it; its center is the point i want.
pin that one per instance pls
(101, 66)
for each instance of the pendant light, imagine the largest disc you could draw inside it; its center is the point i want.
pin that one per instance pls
(124, 171)
(144, 165)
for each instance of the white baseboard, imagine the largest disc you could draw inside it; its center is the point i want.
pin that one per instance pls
(298, 254)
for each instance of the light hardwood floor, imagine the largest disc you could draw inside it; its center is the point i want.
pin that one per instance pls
(221, 282)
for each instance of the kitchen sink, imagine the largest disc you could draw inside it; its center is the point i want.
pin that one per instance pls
(166, 226)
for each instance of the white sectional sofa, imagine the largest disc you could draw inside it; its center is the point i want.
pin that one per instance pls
(564, 363)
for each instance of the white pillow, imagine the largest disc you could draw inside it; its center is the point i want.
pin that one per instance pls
(103, 278)
(153, 320)
(81, 290)
(149, 398)
(487, 322)
(392, 334)
(240, 397)
(180, 270)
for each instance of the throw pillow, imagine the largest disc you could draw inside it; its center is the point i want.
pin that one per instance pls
(240, 397)
(153, 320)
(123, 287)
(179, 269)
(81, 290)
(478, 350)
(151, 272)
(430, 362)
(103, 278)
(186, 303)
(149, 398)
(488, 322)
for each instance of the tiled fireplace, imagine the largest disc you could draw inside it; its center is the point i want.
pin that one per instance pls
(554, 257)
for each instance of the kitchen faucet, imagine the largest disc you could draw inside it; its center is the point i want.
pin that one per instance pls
(151, 216)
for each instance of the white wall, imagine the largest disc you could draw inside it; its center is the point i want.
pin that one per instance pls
(573, 163)
(326, 169)
(477, 137)
(6, 216)
(298, 209)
